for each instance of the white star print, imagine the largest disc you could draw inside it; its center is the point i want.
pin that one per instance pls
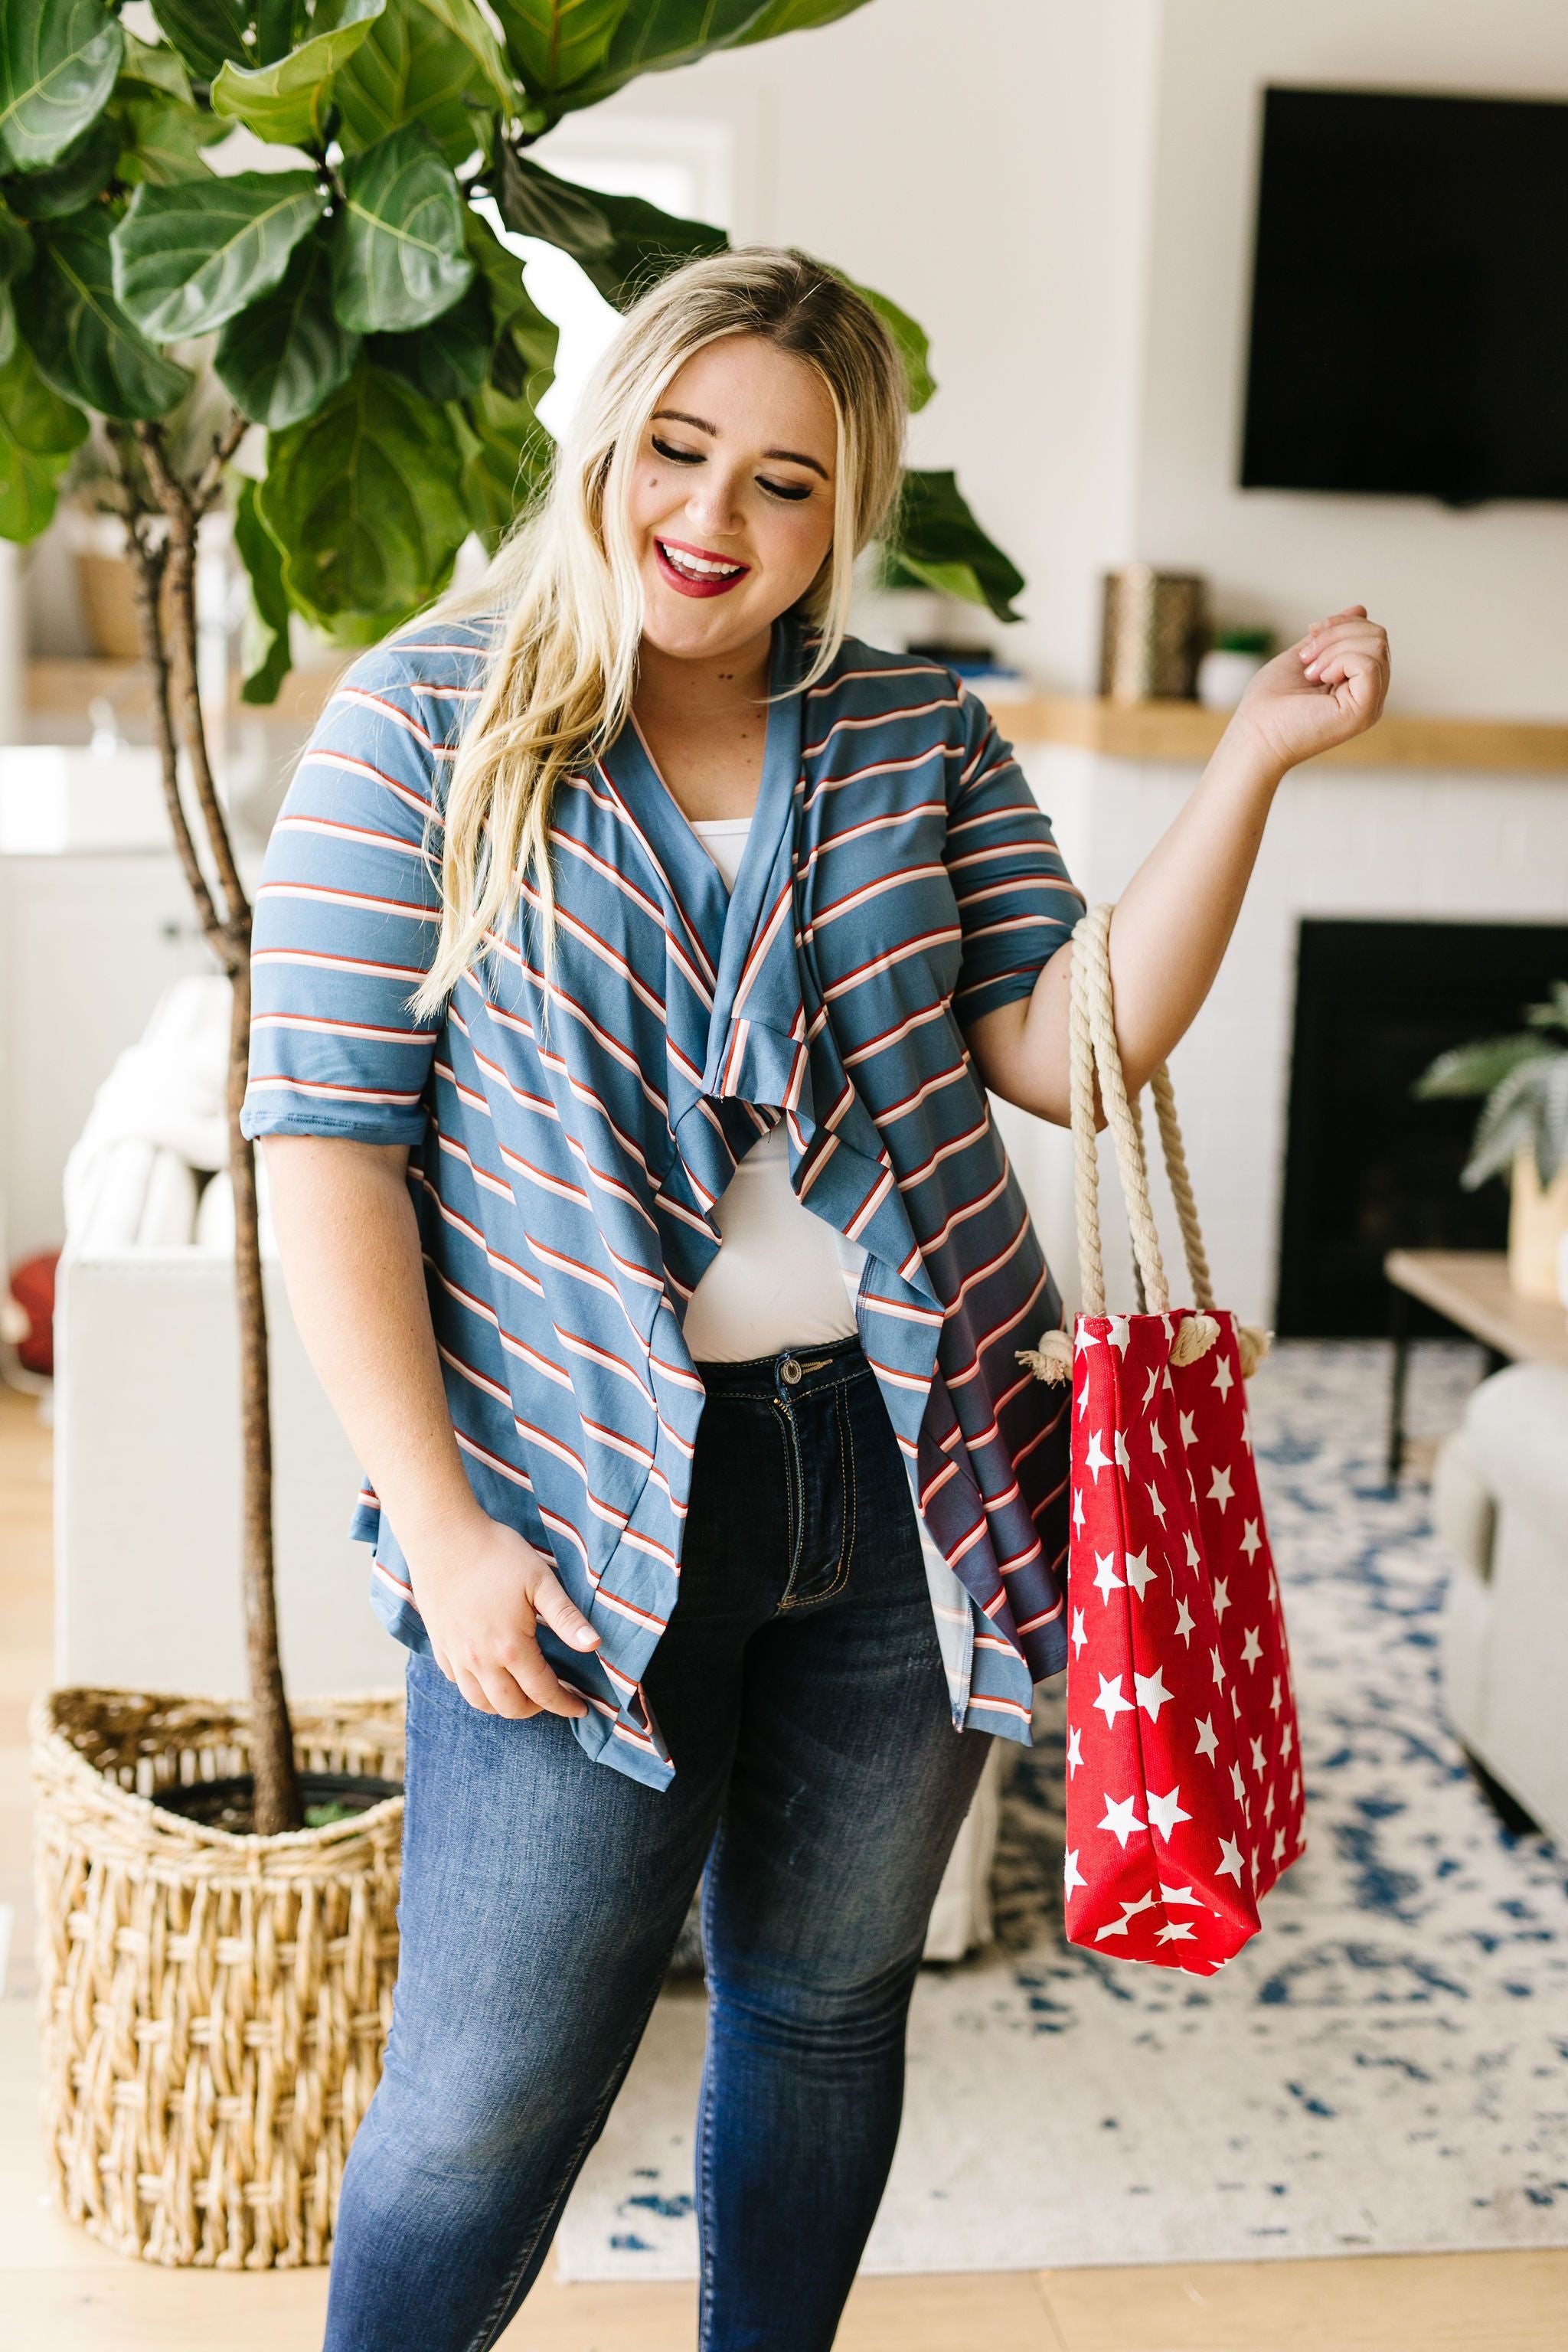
(1220, 1489)
(1153, 1384)
(1185, 1621)
(1096, 1459)
(1119, 1448)
(1151, 1693)
(1252, 1648)
(1238, 1784)
(1165, 1812)
(1230, 1860)
(1221, 1595)
(1119, 1334)
(1110, 1702)
(1138, 1572)
(1295, 1786)
(1129, 1911)
(1275, 1702)
(1074, 1750)
(1208, 1744)
(1083, 1400)
(1279, 1843)
(1176, 1930)
(1178, 1894)
(1078, 1510)
(1258, 1764)
(1188, 1437)
(1251, 1541)
(1194, 1556)
(1105, 1580)
(1218, 1665)
(1121, 1820)
(1071, 1873)
(1269, 1804)
(1285, 1746)
(1155, 1502)
(1224, 1377)
(1078, 1636)
(1084, 1339)
(1247, 1431)
(1157, 1442)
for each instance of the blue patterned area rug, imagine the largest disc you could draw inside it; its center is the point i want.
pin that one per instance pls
(1384, 2069)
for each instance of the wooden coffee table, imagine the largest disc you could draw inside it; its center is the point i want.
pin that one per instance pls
(1469, 1288)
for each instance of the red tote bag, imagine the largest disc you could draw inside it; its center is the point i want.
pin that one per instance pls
(1183, 1791)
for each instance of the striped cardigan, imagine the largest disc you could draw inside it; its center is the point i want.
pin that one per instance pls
(899, 879)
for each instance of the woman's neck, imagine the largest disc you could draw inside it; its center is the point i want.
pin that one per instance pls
(675, 692)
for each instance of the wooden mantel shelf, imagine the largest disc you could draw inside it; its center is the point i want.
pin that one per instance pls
(1180, 731)
(1174, 731)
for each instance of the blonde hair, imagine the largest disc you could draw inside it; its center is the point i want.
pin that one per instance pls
(560, 679)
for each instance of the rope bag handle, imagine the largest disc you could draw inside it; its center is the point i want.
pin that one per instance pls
(1093, 1046)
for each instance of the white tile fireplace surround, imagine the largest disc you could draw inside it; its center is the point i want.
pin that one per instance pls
(1373, 843)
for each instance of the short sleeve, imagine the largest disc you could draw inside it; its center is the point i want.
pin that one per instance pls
(347, 916)
(1015, 903)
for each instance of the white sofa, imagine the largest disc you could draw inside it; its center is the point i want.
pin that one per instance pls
(147, 1458)
(1501, 1503)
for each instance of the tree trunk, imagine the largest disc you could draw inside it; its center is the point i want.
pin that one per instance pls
(172, 661)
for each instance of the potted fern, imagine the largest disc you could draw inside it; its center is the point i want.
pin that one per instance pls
(217, 1963)
(1522, 1132)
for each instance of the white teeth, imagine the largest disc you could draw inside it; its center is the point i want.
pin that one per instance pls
(696, 566)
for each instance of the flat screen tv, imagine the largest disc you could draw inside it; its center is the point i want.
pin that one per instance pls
(1410, 297)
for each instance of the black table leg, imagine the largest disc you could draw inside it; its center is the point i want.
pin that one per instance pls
(1399, 1331)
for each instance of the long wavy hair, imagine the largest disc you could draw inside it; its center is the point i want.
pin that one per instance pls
(565, 584)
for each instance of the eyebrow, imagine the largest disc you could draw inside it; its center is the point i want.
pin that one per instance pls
(791, 457)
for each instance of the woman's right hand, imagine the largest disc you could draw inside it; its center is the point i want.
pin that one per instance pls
(481, 1590)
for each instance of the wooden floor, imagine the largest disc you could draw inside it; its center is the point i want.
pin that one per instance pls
(59, 2292)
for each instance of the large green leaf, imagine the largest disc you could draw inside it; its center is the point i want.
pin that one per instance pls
(397, 256)
(84, 344)
(264, 657)
(622, 243)
(59, 59)
(652, 36)
(285, 354)
(409, 69)
(83, 172)
(163, 139)
(209, 33)
(508, 460)
(522, 359)
(364, 499)
(447, 361)
(190, 257)
(466, 23)
(794, 17)
(16, 258)
(286, 100)
(39, 432)
(938, 540)
(156, 67)
(555, 43)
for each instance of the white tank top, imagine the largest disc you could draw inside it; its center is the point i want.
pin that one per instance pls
(784, 1276)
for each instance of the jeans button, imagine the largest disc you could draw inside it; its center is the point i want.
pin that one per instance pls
(789, 1371)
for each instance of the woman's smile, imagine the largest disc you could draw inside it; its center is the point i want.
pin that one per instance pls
(695, 570)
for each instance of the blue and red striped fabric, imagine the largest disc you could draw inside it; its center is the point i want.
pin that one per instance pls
(899, 879)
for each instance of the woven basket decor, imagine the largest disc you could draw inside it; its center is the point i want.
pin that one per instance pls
(213, 2007)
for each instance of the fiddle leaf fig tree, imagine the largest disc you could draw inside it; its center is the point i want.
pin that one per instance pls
(331, 301)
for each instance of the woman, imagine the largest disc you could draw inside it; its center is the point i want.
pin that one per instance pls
(633, 957)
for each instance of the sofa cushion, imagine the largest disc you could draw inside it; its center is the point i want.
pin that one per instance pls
(1516, 1432)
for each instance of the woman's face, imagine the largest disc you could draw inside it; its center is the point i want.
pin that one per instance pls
(730, 504)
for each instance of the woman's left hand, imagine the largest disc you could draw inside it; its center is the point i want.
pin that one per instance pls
(1320, 692)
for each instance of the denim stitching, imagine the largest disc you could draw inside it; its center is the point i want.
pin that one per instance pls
(795, 1502)
(704, 2152)
(847, 1523)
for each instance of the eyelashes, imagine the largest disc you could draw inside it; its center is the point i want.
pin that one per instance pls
(791, 493)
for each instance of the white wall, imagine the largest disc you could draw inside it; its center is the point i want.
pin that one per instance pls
(1063, 195)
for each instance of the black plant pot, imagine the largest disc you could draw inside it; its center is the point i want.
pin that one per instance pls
(227, 1803)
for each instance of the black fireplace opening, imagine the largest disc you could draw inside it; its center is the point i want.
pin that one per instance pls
(1368, 1168)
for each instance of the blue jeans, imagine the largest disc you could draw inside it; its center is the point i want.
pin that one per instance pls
(818, 1776)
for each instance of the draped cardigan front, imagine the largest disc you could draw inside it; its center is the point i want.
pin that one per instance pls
(571, 1132)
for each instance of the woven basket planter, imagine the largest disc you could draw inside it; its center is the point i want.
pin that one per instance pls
(213, 2007)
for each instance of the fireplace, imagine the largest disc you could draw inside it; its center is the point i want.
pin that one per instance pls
(1367, 1167)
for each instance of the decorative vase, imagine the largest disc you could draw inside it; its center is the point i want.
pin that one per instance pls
(213, 2006)
(1537, 1223)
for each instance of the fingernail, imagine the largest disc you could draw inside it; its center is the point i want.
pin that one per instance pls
(584, 1637)
(1311, 669)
